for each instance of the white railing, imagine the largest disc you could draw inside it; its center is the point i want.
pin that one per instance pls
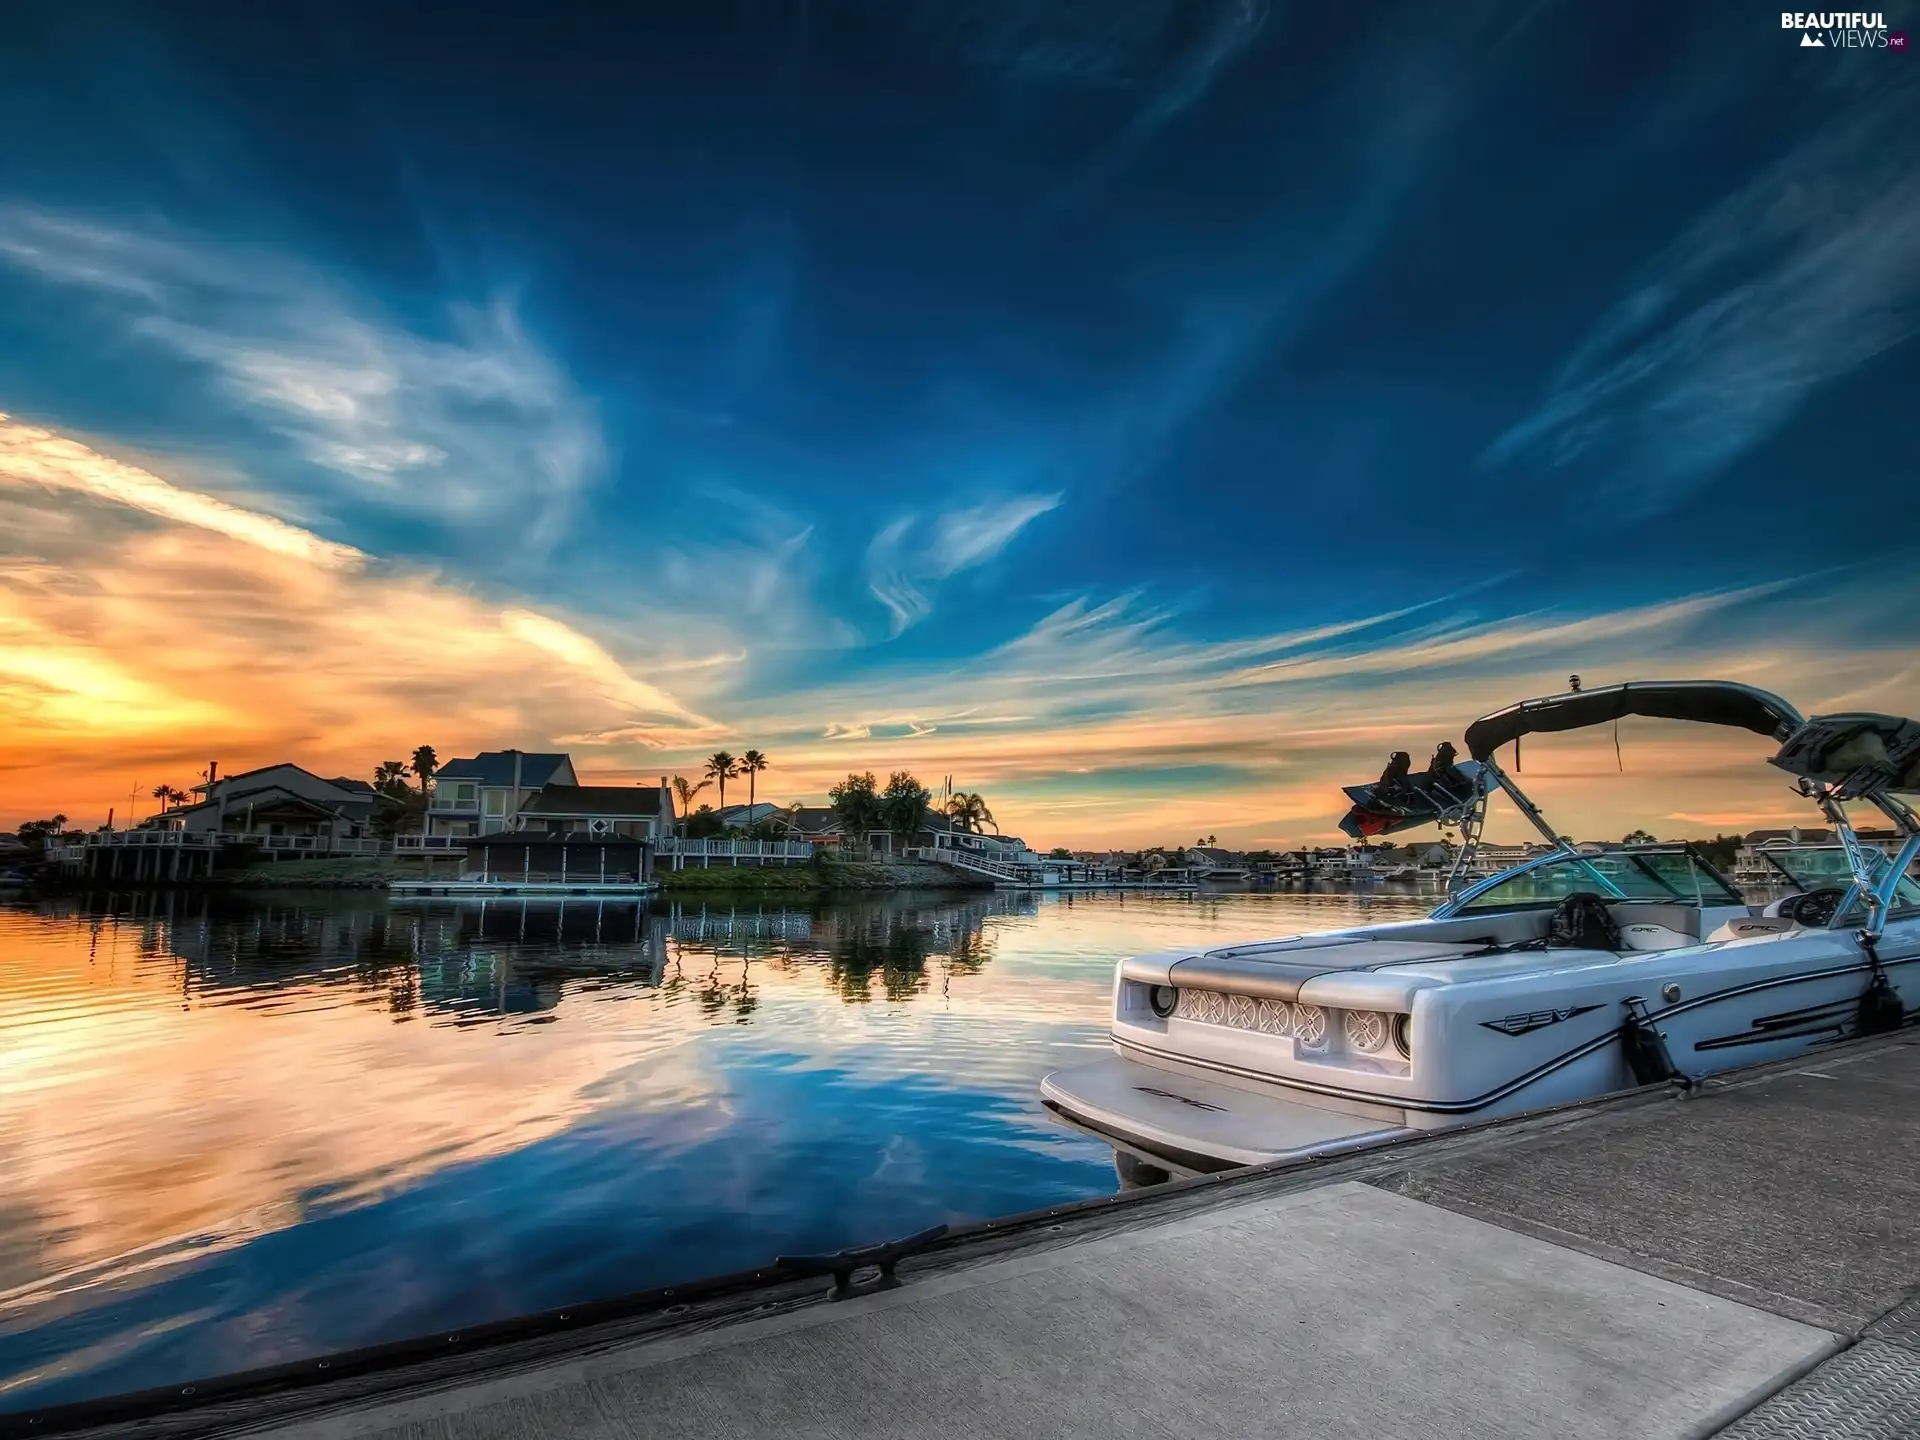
(214, 840)
(968, 860)
(151, 839)
(420, 844)
(307, 844)
(736, 849)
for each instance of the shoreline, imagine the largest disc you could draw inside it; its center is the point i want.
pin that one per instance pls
(377, 873)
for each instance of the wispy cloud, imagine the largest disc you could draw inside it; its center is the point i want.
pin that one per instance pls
(32, 456)
(467, 419)
(144, 623)
(1802, 275)
(1226, 28)
(908, 557)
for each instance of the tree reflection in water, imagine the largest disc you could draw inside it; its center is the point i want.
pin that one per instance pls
(477, 962)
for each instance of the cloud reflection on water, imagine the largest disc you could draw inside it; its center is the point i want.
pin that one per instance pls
(255, 1129)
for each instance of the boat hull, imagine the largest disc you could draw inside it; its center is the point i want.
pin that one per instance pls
(1483, 1044)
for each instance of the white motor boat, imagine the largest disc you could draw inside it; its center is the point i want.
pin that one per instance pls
(1563, 977)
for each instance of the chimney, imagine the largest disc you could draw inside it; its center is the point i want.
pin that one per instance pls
(220, 814)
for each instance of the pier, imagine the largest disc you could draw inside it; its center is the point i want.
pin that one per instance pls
(1740, 1263)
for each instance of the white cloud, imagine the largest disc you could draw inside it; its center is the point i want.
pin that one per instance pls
(29, 455)
(911, 555)
(1804, 274)
(475, 425)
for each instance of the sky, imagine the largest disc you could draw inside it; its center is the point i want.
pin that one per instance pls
(1149, 413)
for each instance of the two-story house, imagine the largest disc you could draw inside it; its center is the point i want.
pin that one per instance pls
(485, 793)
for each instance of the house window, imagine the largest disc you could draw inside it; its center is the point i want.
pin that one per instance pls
(461, 827)
(460, 797)
(496, 802)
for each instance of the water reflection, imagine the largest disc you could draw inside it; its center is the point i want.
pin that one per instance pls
(240, 1130)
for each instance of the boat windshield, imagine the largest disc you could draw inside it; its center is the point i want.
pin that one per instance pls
(1675, 877)
(1825, 868)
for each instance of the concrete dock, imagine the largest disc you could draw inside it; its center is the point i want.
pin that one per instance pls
(1741, 1263)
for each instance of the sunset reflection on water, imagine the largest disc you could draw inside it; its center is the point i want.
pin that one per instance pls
(238, 1131)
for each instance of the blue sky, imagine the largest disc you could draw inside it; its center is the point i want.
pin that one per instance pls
(1078, 398)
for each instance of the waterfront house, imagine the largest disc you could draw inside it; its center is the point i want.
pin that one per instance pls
(628, 812)
(1210, 860)
(1750, 865)
(483, 794)
(279, 802)
(820, 825)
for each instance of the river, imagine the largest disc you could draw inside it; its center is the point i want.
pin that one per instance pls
(241, 1130)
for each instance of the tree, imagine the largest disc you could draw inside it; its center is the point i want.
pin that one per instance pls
(704, 824)
(905, 804)
(1639, 837)
(1060, 852)
(391, 779)
(684, 790)
(1721, 851)
(722, 767)
(168, 797)
(751, 764)
(425, 764)
(969, 812)
(37, 834)
(856, 805)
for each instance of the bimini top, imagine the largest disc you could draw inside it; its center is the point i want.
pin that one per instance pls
(1709, 702)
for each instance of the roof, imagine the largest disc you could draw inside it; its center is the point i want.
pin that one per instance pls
(1807, 834)
(495, 767)
(1707, 702)
(226, 782)
(236, 802)
(1212, 853)
(614, 800)
(812, 819)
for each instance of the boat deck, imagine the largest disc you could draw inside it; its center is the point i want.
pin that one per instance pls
(1733, 1263)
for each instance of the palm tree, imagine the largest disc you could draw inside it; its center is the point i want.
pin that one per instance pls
(970, 812)
(684, 790)
(168, 797)
(722, 767)
(425, 763)
(751, 764)
(391, 778)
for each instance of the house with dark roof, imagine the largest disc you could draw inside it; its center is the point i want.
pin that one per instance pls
(627, 812)
(820, 824)
(484, 793)
(282, 801)
(740, 817)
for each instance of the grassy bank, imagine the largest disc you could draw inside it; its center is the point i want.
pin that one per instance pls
(826, 878)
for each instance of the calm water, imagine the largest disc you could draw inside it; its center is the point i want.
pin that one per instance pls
(243, 1131)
